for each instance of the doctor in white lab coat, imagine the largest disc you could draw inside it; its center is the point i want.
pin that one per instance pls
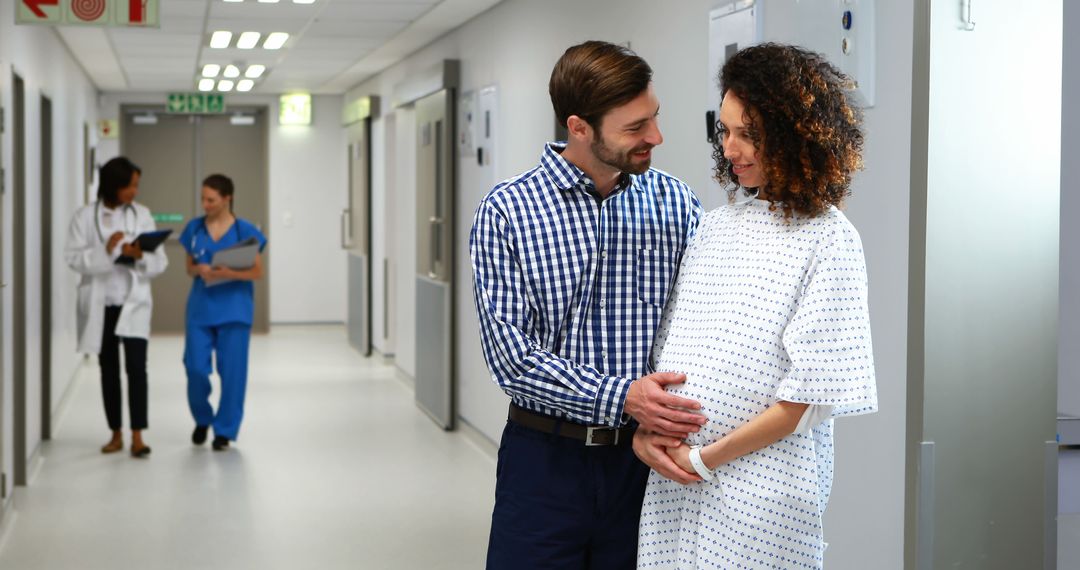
(114, 301)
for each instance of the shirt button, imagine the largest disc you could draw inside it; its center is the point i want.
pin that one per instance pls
(603, 355)
(603, 254)
(603, 303)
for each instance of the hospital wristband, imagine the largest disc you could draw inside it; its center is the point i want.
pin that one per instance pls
(699, 465)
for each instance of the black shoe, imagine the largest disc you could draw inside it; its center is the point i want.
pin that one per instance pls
(220, 443)
(198, 437)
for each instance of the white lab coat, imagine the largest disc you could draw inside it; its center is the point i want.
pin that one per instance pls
(85, 254)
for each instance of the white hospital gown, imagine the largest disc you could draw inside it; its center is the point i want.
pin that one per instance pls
(763, 310)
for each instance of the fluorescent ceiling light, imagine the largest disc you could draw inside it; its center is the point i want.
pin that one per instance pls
(303, 1)
(255, 71)
(248, 40)
(268, 1)
(211, 70)
(245, 85)
(275, 40)
(220, 39)
(234, 0)
(232, 71)
(206, 84)
(224, 85)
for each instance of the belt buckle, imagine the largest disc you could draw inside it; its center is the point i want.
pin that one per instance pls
(599, 429)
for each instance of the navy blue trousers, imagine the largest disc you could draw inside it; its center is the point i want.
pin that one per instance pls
(562, 505)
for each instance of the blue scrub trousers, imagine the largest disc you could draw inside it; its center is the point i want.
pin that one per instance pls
(230, 343)
(560, 505)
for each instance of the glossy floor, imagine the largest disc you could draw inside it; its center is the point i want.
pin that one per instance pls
(335, 467)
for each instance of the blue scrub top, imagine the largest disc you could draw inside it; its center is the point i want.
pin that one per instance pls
(232, 302)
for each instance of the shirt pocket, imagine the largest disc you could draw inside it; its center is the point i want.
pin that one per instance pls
(652, 274)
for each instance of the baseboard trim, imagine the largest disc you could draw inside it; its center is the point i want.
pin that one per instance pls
(404, 378)
(60, 411)
(489, 448)
(8, 517)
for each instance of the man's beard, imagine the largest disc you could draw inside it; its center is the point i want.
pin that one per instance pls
(620, 161)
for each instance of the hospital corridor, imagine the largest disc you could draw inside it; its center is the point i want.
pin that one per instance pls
(337, 471)
(539, 284)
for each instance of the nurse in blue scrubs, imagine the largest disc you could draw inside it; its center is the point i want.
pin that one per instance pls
(219, 317)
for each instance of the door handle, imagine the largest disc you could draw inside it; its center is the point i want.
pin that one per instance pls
(346, 228)
(435, 243)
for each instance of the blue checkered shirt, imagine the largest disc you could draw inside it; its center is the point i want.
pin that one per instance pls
(569, 289)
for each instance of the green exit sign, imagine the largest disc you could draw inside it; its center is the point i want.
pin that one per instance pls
(195, 103)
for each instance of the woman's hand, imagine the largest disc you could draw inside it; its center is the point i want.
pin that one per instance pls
(132, 250)
(113, 240)
(221, 273)
(681, 456)
(655, 451)
(204, 270)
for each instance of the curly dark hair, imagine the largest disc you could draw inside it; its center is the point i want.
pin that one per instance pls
(802, 121)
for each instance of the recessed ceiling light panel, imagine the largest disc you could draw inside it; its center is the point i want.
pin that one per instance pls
(248, 40)
(220, 39)
(275, 40)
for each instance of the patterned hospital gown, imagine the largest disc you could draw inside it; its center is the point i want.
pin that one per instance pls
(763, 310)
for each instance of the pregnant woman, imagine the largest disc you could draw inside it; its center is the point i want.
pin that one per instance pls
(768, 320)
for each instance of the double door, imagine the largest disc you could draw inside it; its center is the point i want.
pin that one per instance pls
(175, 153)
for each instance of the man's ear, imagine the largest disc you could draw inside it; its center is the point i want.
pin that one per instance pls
(579, 128)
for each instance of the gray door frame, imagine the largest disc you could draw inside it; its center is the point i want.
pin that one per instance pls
(3, 285)
(46, 265)
(18, 279)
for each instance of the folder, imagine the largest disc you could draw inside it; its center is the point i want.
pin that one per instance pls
(148, 241)
(239, 256)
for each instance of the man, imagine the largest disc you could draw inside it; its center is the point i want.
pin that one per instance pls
(572, 263)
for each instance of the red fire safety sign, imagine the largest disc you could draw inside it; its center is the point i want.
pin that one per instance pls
(118, 13)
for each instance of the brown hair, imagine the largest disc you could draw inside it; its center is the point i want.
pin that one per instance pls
(221, 184)
(594, 77)
(801, 118)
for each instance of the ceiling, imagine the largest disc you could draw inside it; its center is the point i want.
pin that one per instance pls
(333, 44)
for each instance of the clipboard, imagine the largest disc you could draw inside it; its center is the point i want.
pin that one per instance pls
(239, 256)
(148, 241)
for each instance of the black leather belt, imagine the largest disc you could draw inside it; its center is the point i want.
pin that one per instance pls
(591, 435)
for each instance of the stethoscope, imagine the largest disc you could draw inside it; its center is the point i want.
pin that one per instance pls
(124, 213)
(206, 231)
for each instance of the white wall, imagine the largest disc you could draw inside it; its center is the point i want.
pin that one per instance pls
(307, 182)
(404, 189)
(514, 46)
(1069, 342)
(865, 518)
(38, 56)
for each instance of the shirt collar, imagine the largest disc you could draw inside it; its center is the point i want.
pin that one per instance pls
(567, 176)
